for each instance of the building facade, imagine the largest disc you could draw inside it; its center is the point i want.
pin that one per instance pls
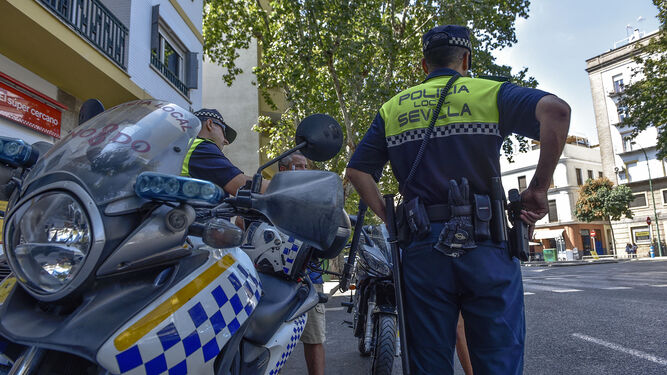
(55, 54)
(626, 159)
(242, 105)
(239, 104)
(560, 229)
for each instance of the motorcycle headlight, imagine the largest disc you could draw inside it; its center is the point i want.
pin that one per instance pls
(375, 263)
(49, 238)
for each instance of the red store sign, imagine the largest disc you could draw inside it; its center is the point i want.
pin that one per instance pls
(27, 111)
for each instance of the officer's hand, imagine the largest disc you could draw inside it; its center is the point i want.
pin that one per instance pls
(535, 206)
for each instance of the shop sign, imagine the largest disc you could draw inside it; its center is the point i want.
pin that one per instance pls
(23, 109)
(641, 235)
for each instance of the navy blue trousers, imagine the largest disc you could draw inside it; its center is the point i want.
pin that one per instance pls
(485, 285)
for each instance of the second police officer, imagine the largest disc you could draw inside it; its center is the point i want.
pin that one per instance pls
(453, 265)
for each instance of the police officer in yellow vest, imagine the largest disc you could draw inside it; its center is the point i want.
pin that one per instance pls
(450, 262)
(205, 159)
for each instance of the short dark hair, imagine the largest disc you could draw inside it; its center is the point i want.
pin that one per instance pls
(443, 56)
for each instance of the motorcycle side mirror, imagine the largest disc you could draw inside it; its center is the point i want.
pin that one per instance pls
(318, 136)
(323, 137)
(89, 109)
(220, 234)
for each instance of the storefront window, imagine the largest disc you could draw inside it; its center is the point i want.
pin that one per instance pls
(586, 241)
(641, 235)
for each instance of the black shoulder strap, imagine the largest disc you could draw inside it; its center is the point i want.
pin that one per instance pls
(429, 130)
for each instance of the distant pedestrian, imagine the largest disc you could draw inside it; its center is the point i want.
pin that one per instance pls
(628, 250)
(634, 251)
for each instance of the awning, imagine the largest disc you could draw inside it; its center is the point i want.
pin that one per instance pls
(548, 233)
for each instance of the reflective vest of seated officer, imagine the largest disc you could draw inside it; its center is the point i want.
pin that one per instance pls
(205, 159)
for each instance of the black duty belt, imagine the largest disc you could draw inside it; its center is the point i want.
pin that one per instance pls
(443, 212)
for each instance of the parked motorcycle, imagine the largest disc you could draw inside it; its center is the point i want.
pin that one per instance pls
(121, 266)
(373, 303)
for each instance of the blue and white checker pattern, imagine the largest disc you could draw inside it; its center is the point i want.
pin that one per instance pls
(290, 249)
(296, 327)
(187, 341)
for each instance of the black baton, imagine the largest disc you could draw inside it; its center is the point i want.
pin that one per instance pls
(398, 280)
(344, 283)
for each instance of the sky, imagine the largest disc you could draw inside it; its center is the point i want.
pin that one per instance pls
(558, 37)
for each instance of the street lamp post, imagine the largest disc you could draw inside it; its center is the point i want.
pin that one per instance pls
(655, 213)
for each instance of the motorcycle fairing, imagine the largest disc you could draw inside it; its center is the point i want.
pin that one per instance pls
(283, 343)
(183, 330)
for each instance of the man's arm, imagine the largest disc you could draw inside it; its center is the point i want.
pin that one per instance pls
(239, 181)
(368, 190)
(553, 115)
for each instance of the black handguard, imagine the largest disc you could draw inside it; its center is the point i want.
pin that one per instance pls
(518, 234)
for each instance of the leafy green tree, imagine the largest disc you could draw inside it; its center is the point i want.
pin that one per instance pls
(644, 102)
(346, 58)
(599, 199)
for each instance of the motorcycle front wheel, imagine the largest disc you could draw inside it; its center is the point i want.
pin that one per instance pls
(385, 344)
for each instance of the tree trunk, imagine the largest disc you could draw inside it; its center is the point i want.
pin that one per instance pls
(613, 237)
(343, 107)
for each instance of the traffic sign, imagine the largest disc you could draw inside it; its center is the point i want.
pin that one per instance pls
(648, 220)
(593, 233)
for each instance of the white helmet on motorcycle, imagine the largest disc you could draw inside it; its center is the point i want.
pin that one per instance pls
(274, 252)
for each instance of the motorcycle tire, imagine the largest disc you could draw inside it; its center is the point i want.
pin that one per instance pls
(384, 349)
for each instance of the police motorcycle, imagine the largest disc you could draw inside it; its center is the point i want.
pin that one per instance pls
(373, 303)
(120, 266)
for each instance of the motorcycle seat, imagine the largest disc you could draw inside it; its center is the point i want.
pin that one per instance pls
(279, 299)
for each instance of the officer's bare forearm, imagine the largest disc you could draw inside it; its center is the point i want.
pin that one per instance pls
(554, 116)
(368, 190)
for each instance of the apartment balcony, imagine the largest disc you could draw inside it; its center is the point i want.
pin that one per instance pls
(93, 21)
(77, 45)
(171, 77)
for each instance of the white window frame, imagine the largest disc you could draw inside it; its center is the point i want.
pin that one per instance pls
(164, 35)
(662, 195)
(614, 79)
(645, 199)
(626, 137)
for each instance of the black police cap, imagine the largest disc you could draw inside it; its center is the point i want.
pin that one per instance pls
(204, 113)
(447, 35)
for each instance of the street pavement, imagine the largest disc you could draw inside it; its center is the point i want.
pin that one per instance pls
(598, 319)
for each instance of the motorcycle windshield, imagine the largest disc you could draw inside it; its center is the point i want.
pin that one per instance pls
(110, 150)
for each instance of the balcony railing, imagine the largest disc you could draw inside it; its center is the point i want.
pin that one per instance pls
(171, 77)
(92, 20)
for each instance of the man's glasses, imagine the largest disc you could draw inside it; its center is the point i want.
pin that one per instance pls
(220, 124)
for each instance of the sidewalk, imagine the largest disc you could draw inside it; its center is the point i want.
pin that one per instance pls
(589, 261)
